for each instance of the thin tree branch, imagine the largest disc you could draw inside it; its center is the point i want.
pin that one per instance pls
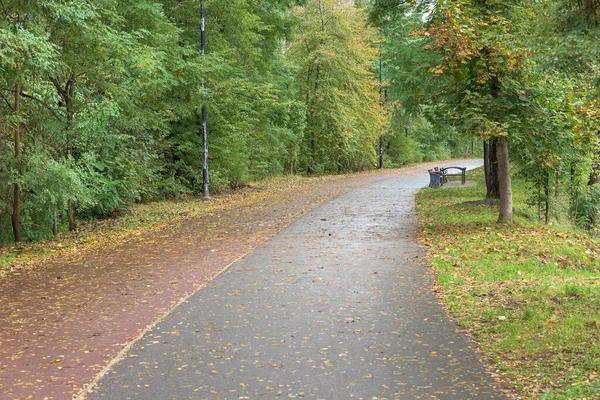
(58, 87)
(40, 101)
(7, 102)
(5, 10)
(31, 97)
(70, 84)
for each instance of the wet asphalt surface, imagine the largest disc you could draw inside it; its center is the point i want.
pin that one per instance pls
(336, 306)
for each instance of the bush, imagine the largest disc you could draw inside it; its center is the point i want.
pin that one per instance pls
(586, 208)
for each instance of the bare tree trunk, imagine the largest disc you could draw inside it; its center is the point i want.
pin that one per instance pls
(55, 223)
(547, 199)
(506, 207)
(381, 152)
(595, 175)
(71, 212)
(70, 114)
(539, 201)
(490, 163)
(308, 114)
(66, 94)
(16, 216)
(594, 180)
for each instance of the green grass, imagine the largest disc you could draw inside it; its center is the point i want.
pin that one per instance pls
(530, 293)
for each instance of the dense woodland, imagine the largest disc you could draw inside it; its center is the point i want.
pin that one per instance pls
(101, 100)
(522, 76)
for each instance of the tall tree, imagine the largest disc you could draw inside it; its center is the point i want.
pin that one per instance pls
(506, 76)
(252, 101)
(79, 67)
(558, 151)
(485, 73)
(334, 50)
(25, 56)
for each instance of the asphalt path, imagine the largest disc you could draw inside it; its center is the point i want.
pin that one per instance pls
(336, 306)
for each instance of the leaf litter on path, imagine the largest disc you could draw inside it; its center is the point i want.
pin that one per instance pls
(64, 319)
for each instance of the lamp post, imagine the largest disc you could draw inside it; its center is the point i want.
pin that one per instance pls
(205, 194)
(381, 100)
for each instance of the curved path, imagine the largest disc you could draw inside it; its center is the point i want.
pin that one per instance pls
(336, 306)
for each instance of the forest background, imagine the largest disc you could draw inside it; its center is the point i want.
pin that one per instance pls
(101, 100)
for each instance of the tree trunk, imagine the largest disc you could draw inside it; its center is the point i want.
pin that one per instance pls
(381, 152)
(594, 180)
(490, 163)
(506, 208)
(70, 114)
(55, 223)
(539, 201)
(313, 148)
(66, 94)
(595, 175)
(547, 199)
(71, 212)
(16, 216)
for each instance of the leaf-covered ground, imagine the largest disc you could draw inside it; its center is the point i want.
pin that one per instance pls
(529, 293)
(64, 317)
(338, 306)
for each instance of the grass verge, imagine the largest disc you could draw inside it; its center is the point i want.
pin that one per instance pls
(529, 293)
(139, 219)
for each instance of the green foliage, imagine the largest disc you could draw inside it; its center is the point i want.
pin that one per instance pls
(402, 150)
(523, 70)
(108, 109)
(254, 124)
(416, 139)
(333, 49)
(421, 127)
(560, 136)
(586, 208)
(47, 185)
(110, 95)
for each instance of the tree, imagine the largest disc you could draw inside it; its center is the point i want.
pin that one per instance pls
(486, 92)
(25, 56)
(334, 49)
(254, 116)
(505, 76)
(563, 70)
(419, 128)
(84, 73)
